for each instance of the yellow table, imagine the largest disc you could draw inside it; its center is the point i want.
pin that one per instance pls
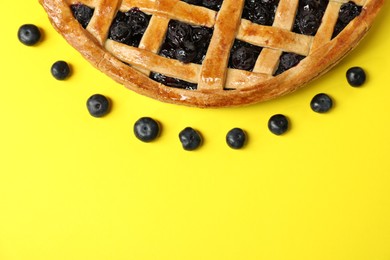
(77, 187)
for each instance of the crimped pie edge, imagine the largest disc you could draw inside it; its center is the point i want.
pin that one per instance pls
(313, 66)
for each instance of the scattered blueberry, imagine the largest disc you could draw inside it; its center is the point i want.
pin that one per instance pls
(321, 103)
(82, 13)
(146, 129)
(278, 124)
(29, 34)
(98, 105)
(60, 70)
(236, 138)
(190, 139)
(356, 76)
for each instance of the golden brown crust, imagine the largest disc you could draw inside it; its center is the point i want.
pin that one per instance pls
(244, 87)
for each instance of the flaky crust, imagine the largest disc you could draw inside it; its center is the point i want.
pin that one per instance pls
(213, 78)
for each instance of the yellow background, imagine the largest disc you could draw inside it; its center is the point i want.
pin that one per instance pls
(77, 187)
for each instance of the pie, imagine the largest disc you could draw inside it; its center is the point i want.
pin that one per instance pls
(213, 53)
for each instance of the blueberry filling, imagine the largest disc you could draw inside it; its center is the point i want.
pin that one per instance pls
(260, 11)
(309, 16)
(186, 43)
(243, 55)
(211, 4)
(129, 27)
(82, 13)
(347, 13)
(172, 82)
(287, 61)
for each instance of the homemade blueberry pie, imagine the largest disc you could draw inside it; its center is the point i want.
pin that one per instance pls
(213, 53)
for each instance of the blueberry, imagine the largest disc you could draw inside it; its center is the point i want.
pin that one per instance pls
(212, 4)
(260, 11)
(146, 129)
(287, 61)
(244, 58)
(129, 27)
(309, 24)
(356, 76)
(82, 13)
(98, 105)
(190, 139)
(348, 12)
(243, 55)
(309, 16)
(236, 138)
(29, 34)
(60, 70)
(178, 33)
(185, 42)
(186, 54)
(321, 103)
(278, 124)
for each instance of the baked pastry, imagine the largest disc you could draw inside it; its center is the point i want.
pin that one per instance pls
(213, 53)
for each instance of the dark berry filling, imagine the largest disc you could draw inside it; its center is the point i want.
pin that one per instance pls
(347, 13)
(82, 13)
(309, 16)
(186, 43)
(287, 61)
(211, 4)
(129, 27)
(260, 11)
(243, 55)
(172, 82)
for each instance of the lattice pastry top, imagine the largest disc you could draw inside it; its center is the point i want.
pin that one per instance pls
(213, 53)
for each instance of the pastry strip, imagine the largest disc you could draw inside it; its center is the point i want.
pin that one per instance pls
(324, 33)
(274, 38)
(214, 69)
(284, 19)
(103, 16)
(174, 9)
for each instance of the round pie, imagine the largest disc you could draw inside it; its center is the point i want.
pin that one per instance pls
(213, 53)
